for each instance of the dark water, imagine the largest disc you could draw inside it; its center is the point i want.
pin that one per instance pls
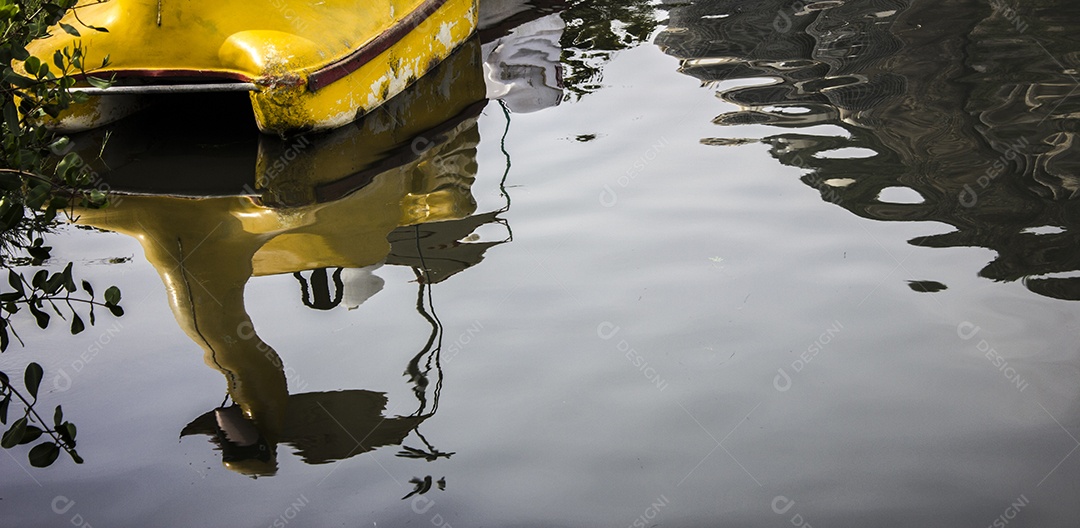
(615, 264)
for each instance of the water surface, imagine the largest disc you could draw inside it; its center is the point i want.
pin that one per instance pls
(725, 263)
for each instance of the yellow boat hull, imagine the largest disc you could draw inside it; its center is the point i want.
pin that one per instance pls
(308, 66)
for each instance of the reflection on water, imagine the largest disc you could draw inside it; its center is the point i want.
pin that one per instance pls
(214, 207)
(719, 271)
(394, 188)
(963, 113)
(323, 427)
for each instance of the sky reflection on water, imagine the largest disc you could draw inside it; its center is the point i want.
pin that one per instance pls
(655, 298)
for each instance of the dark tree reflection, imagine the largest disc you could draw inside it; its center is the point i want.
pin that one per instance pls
(972, 106)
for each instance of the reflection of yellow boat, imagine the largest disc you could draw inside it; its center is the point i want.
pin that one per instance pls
(308, 65)
(333, 205)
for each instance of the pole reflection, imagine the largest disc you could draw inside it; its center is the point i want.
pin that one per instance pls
(393, 189)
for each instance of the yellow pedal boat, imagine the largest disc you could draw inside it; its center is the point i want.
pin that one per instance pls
(307, 65)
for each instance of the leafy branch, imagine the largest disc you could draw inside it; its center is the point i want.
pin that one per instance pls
(32, 92)
(42, 292)
(38, 178)
(23, 431)
(45, 289)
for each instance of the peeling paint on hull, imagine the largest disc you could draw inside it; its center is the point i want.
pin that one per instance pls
(286, 110)
(374, 83)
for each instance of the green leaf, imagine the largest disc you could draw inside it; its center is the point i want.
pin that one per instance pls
(32, 433)
(4, 409)
(11, 118)
(32, 64)
(19, 81)
(55, 282)
(89, 289)
(40, 253)
(8, 12)
(70, 30)
(58, 60)
(15, 280)
(55, 9)
(4, 340)
(67, 432)
(41, 317)
(38, 195)
(69, 282)
(98, 83)
(10, 215)
(32, 378)
(44, 454)
(112, 295)
(72, 161)
(38, 281)
(60, 146)
(14, 434)
(77, 324)
(10, 181)
(116, 310)
(58, 416)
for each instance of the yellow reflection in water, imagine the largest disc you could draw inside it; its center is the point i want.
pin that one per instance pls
(328, 201)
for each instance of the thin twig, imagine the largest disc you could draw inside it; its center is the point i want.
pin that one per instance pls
(31, 410)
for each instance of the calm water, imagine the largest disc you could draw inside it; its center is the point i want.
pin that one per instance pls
(707, 263)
